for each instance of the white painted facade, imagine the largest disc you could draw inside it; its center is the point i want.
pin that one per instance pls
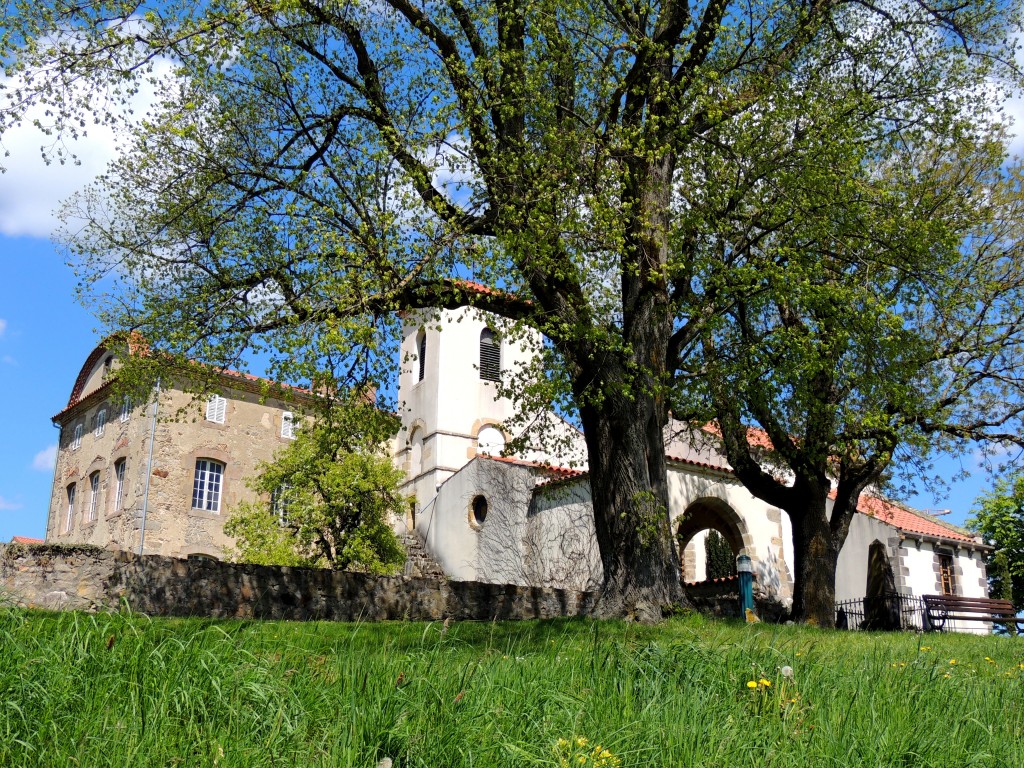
(538, 526)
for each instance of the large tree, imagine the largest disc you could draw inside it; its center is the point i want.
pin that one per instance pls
(887, 329)
(314, 167)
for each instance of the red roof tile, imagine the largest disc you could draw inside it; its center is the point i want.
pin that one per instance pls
(906, 519)
(555, 472)
(26, 540)
(695, 463)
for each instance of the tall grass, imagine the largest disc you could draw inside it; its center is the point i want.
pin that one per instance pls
(113, 690)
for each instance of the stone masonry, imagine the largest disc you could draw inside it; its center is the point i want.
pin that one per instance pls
(82, 577)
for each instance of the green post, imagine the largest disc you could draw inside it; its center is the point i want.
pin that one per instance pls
(745, 570)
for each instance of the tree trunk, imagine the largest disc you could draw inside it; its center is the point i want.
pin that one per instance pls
(814, 587)
(629, 488)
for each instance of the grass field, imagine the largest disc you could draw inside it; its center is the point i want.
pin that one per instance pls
(123, 690)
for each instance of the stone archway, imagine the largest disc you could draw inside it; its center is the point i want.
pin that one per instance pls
(704, 514)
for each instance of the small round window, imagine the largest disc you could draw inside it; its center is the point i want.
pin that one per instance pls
(478, 510)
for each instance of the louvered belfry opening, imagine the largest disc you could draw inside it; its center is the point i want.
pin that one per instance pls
(490, 356)
(422, 348)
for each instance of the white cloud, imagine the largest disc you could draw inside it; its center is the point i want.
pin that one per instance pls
(45, 459)
(30, 189)
(8, 506)
(3, 327)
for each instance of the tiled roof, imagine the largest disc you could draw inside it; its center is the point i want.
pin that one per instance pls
(906, 519)
(135, 346)
(755, 436)
(26, 540)
(559, 473)
(695, 463)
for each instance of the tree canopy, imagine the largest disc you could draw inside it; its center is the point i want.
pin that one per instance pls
(328, 498)
(999, 517)
(644, 183)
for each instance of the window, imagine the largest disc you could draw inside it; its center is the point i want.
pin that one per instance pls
(421, 346)
(126, 409)
(478, 511)
(207, 484)
(99, 422)
(216, 407)
(107, 365)
(71, 508)
(76, 439)
(490, 440)
(118, 484)
(490, 356)
(288, 425)
(94, 497)
(947, 574)
(280, 501)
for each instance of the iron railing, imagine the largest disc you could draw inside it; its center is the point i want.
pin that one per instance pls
(891, 610)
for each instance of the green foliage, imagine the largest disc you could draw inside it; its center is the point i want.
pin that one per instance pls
(719, 556)
(998, 516)
(726, 209)
(109, 689)
(335, 489)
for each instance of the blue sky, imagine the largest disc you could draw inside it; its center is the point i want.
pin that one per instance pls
(45, 335)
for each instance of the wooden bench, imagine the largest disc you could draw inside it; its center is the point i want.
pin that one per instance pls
(942, 608)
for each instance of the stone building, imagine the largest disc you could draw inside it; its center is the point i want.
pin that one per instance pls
(176, 464)
(482, 514)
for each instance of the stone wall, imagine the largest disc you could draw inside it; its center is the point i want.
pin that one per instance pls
(62, 577)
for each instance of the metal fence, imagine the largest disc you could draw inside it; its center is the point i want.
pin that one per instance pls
(888, 611)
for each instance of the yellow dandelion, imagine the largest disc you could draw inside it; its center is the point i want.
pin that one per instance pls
(926, 647)
(583, 759)
(946, 675)
(952, 661)
(581, 741)
(765, 683)
(751, 684)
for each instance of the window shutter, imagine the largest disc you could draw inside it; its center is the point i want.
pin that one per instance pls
(422, 355)
(490, 356)
(216, 407)
(288, 425)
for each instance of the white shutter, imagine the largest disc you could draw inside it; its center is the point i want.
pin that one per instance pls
(288, 425)
(216, 407)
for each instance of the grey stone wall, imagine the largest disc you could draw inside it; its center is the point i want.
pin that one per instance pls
(79, 577)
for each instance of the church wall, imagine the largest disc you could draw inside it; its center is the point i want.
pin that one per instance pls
(762, 533)
(852, 566)
(488, 551)
(560, 542)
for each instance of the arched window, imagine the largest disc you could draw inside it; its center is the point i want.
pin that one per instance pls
(118, 484)
(421, 350)
(206, 487)
(415, 453)
(490, 440)
(490, 356)
(94, 498)
(70, 518)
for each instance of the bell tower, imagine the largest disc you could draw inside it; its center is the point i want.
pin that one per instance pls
(451, 365)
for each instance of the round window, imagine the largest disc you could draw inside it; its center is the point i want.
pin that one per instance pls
(478, 510)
